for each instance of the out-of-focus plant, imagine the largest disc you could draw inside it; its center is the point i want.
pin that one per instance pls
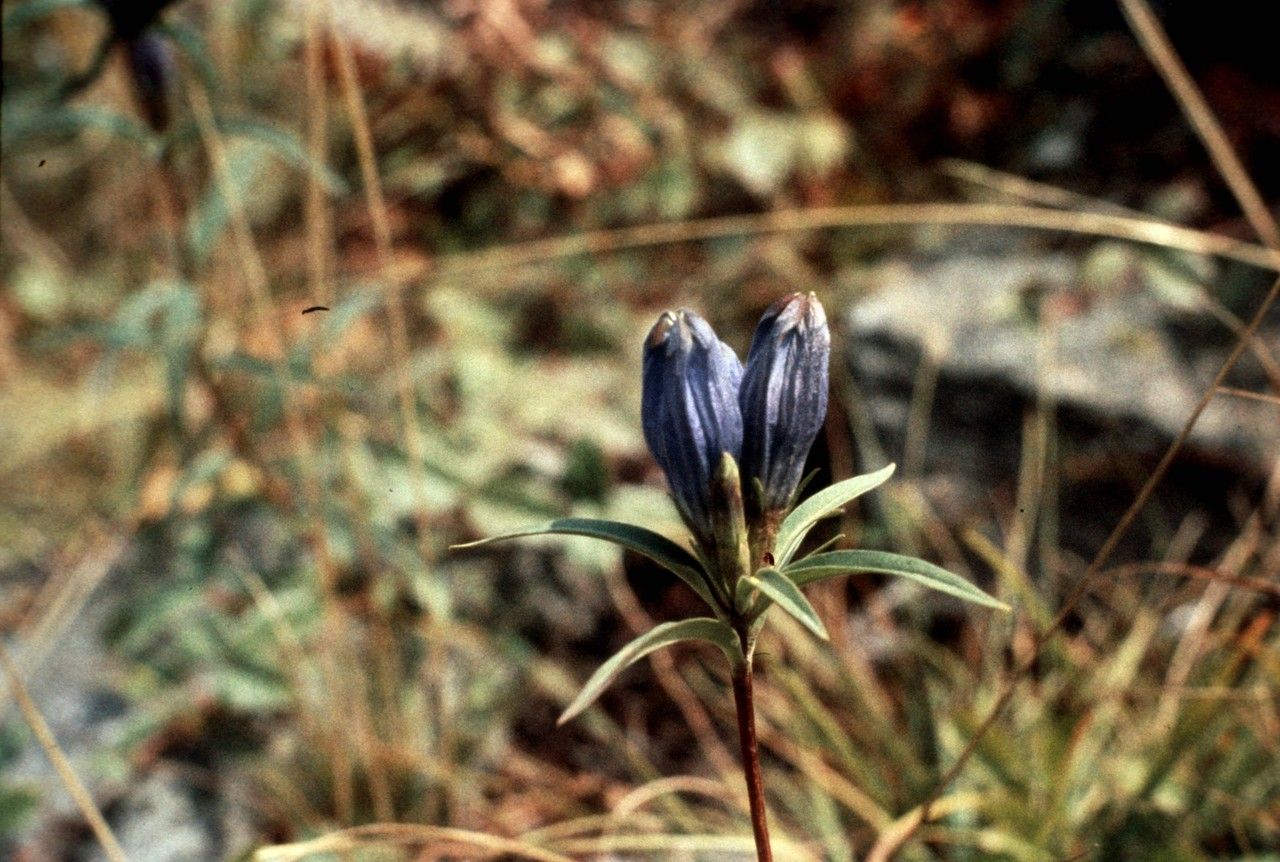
(704, 415)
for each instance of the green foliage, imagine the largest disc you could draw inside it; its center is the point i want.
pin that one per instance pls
(821, 505)
(774, 586)
(835, 564)
(140, 396)
(25, 126)
(712, 631)
(656, 547)
(31, 11)
(18, 803)
(787, 596)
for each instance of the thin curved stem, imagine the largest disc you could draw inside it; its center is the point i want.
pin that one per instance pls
(1146, 231)
(744, 700)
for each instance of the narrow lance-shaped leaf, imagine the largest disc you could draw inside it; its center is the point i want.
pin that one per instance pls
(786, 595)
(797, 525)
(699, 628)
(820, 567)
(655, 546)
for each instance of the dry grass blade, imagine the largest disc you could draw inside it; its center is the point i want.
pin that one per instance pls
(1156, 44)
(1252, 396)
(255, 276)
(401, 834)
(79, 793)
(398, 329)
(1138, 230)
(1200, 573)
(659, 846)
(643, 795)
(319, 226)
(1021, 188)
(891, 837)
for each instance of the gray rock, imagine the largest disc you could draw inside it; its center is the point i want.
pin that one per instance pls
(72, 686)
(161, 819)
(1115, 369)
(1108, 357)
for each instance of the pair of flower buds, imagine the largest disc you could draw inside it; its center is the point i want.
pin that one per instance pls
(700, 403)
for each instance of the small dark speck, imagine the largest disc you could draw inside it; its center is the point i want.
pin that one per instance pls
(768, 558)
(315, 308)
(41, 163)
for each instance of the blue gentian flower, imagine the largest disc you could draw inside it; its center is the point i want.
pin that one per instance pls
(784, 396)
(690, 410)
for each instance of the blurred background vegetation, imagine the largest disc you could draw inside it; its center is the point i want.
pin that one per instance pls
(224, 522)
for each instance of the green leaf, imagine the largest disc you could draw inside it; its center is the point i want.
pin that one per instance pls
(742, 593)
(180, 334)
(286, 146)
(210, 217)
(346, 311)
(265, 138)
(787, 596)
(699, 628)
(248, 689)
(656, 547)
(820, 567)
(33, 10)
(191, 43)
(797, 525)
(17, 126)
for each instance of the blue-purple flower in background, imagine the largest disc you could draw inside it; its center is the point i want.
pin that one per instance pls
(152, 69)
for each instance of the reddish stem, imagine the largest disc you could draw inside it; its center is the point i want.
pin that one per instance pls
(744, 699)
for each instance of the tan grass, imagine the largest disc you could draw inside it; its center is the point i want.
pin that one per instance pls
(1146, 27)
(1252, 396)
(1162, 54)
(410, 421)
(255, 277)
(1146, 231)
(1095, 567)
(60, 601)
(75, 787)
(402, 835)
(318, 219)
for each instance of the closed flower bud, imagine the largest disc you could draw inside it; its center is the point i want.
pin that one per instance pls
(690, 411)
(783, 396)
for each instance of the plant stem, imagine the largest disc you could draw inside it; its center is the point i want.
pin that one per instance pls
(744, 699)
